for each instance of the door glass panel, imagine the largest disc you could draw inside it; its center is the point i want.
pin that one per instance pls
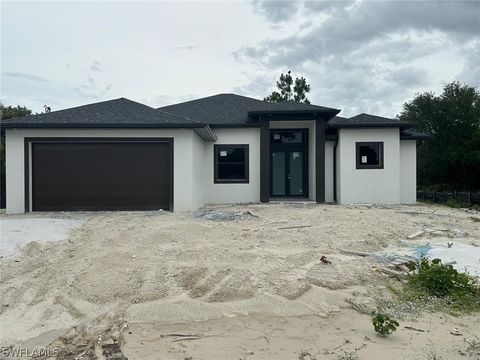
(278, 174)
(296, 173)
(286, 137)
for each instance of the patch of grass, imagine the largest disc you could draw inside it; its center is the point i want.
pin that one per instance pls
(442, 287)
(359, 307)
(431, 353)
(305, 355)
(453, 203)
(348, 355)
(384, 325)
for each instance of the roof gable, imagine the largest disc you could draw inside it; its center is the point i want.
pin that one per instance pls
(367, 120)
(231, 109)
(120, 112)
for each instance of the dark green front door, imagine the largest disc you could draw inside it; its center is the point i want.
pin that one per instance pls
(289, 170)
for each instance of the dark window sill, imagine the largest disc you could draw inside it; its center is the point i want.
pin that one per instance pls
(219, 181)
(369, 167)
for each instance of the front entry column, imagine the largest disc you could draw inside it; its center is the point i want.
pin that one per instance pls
(320, 160)
(265, 161)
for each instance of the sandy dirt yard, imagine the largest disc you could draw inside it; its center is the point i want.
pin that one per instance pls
(250, 285)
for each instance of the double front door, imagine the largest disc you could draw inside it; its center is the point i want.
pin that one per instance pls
(289, 174)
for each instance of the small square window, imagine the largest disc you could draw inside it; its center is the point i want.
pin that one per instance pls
(369, 155)
(231, 164)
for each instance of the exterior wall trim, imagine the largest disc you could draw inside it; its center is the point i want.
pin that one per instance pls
(320, 127)
(265, 162)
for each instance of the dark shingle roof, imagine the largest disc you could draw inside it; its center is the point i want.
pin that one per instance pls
(217, 110)
(366, 120)
(231, 109)
(411, 134)
(112, 113)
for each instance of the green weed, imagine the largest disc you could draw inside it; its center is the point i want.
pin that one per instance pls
(443, 286)
(384, 325)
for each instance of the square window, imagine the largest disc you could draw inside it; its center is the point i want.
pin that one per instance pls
(369, 155)
(231, 164)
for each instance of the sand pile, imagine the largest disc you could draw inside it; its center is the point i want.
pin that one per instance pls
(178, 268)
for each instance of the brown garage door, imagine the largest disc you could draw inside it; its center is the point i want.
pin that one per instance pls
(102, 175)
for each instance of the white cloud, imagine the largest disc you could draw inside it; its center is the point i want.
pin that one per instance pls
(362, 56)
(372, 55)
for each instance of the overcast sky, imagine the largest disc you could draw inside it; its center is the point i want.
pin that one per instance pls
(360, 56)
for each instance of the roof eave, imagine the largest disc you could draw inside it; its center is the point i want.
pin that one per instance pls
(418, 137)
(401, 126)
(7, 125)
(239, 125)
(309, 112)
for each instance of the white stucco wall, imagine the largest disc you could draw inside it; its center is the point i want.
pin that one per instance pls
(408, 171)
(194, 161)
(338, 183)
(199, 176)
(379, 186)
(232, 193)
(185, 181)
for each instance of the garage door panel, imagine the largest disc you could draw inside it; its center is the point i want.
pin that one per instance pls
(101, 175)
(95, 202)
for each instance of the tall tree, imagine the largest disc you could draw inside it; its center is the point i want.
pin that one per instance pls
(7, 112)
(286, 92)
(451, 158)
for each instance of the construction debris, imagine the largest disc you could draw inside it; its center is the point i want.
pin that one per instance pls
(395, 265)
(358, 253)
(412, 328)
(186, 338)
(113, 352)
(464, 258)
(324, 260)
(395, 274)
(415, 234)
(456, 332)
(294, 227)
(226, 215)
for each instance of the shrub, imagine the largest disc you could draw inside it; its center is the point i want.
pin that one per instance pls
(384, 325)
(451, 202)
(434, 279)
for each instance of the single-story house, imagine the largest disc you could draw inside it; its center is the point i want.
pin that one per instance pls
(226, 148)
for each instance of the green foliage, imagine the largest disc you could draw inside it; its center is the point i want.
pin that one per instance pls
(384, 325)
(453, 203)
(286, 92)
(434, 280)
(452, 156)
(8, 112)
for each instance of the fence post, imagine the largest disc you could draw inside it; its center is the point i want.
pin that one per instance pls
(433, 197)
(469, 194)
(455, 195)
